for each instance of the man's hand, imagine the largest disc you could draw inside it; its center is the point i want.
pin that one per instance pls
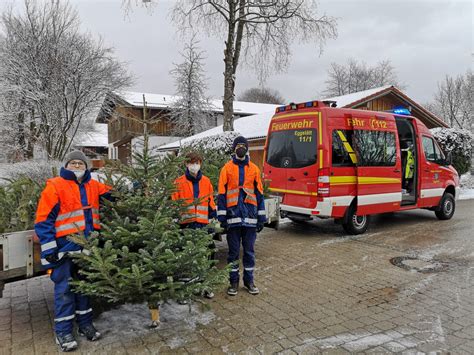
(260, 226)
(52, 258)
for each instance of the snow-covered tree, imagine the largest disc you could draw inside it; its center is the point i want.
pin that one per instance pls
(358, 76)
(262, 95)
(457, 141)
(453, 102)
(190, 113)
(53, 77)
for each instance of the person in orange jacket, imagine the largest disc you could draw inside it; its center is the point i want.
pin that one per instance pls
(69, 204)
(241, 210)
(197, 194)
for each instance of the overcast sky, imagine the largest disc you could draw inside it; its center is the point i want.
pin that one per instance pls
(424, 40)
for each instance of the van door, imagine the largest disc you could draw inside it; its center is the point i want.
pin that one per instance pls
(433, 173)
(378, 164)
(291, 159)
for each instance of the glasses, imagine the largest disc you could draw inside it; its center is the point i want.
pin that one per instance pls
(76, 163)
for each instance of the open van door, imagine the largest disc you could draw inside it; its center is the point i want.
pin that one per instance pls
(378, 163)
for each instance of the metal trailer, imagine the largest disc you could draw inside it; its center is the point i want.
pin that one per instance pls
(20, 254)
(272, 209)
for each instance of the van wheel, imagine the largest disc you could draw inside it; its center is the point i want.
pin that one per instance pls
(446, 207)
(355, 224)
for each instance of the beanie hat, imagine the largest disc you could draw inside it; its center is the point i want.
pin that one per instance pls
(76, 155)
(240, 140)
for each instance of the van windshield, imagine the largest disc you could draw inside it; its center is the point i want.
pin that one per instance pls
(292, 148)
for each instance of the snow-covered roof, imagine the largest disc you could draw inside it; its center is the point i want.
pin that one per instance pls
(96, 138)
(347, 100)
(251, 127)
(163, 101)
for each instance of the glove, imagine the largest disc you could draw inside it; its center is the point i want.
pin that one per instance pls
(224, 226)
(260, 226)
(52, 258)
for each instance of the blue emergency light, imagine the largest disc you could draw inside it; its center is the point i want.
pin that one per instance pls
(400, 110)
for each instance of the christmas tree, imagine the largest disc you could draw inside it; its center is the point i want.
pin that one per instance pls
(141, 254)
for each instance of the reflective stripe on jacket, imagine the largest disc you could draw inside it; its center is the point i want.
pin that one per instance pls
(67, 207)
(241, 201)
(198, 200)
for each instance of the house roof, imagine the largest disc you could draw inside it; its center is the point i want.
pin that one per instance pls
(135, 99)
(357, 99)
(96, 138)
(350, 99)
(256, 126)
(251, 127)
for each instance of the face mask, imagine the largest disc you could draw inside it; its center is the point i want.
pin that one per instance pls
(241, 152)
(194, 168)
(79, 173)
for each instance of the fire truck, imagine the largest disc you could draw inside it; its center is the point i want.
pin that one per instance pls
(350, 164)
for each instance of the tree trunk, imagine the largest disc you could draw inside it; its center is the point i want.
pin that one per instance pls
(229, 80)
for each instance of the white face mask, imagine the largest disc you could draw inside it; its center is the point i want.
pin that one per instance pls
(194, 168)
(79, 173)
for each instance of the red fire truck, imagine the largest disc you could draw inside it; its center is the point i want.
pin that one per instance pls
(349, 164)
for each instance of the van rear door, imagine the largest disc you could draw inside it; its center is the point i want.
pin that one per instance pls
(378, 163)
(291, 158)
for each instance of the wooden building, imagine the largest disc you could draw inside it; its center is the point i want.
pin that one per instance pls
(386, 98)
(123, 113)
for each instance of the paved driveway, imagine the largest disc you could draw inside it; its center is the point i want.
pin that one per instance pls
(322, 292)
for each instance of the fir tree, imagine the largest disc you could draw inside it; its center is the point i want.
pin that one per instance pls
(141, 254)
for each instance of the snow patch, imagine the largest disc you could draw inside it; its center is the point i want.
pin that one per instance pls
(133, 320)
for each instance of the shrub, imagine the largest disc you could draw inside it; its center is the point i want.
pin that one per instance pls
(459, 143)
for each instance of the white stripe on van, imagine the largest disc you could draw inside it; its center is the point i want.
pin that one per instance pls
(426, 193)
(363, 200)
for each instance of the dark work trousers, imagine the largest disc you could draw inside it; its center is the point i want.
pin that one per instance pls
(67, 304)
(246, 236)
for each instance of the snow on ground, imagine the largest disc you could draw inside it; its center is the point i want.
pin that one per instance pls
(467, 187)
(132, 320)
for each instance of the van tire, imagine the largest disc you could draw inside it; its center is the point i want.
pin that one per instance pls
(446, 207)
(354, 224)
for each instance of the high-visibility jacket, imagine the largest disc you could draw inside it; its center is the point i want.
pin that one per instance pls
(240, 200)
(197, 195)
(67, 207)
(410, 165)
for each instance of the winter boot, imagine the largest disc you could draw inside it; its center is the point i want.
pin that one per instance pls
(232, 289)
(251, 288)
(89, 332)
(66, 342)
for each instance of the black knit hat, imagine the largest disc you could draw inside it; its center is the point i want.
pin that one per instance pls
(76, 155)
(240, 140)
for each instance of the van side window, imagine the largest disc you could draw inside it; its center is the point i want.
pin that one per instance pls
(375, 148)
(432, 151)
(342, 148)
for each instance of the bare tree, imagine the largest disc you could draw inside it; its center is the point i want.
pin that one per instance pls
(260, 32)
(453, 101)
(53, 77)
(358, 76)
(262, 95)
(190, 113)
